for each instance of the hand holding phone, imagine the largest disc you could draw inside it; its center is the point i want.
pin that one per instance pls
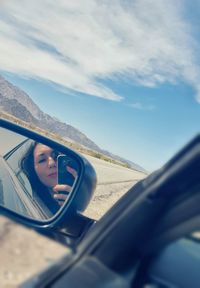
(67, 173)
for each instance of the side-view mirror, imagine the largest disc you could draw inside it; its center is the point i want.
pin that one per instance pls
(44, 184)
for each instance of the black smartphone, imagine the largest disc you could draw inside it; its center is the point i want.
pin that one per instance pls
(64, 176)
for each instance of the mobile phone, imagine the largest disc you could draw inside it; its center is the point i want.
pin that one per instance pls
(64, 176)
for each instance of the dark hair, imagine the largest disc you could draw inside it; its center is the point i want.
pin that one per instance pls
(27, 166)
(39, 190)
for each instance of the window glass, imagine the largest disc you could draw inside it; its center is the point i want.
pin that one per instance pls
(178, 264)
(14, 162)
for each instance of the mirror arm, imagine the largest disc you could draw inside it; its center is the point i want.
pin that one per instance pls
(70, 233)
(76, 226)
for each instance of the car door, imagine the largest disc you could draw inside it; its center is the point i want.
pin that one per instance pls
(128, 246)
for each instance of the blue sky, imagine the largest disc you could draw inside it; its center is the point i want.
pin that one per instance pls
(125, 73)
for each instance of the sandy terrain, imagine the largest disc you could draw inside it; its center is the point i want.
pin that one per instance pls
(24, 252)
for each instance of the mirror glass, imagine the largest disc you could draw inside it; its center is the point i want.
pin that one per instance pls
(35, 179)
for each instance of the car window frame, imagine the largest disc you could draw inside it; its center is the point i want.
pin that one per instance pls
(36, 209)
(174, 226)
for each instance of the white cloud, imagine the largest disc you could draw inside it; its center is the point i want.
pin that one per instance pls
(140, 106)
(78, 44)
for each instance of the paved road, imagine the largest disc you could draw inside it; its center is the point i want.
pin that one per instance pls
(109, 173)
(113, 182)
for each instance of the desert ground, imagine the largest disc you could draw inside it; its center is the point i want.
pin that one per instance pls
(24, 252)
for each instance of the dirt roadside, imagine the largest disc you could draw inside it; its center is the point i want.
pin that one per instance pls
(23, 253)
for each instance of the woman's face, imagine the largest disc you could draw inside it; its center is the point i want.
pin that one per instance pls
(45, 159)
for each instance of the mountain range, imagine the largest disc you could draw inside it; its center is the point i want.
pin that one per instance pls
(18, 103)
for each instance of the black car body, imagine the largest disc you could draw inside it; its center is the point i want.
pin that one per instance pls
(149, 238)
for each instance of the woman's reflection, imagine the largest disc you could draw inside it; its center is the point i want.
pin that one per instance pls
(40, 166)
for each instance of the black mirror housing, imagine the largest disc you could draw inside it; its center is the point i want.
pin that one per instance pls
(67, 220)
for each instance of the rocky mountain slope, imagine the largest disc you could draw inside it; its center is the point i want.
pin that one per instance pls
(17, 103)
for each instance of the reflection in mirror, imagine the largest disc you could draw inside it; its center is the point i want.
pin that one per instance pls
(35, 179)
